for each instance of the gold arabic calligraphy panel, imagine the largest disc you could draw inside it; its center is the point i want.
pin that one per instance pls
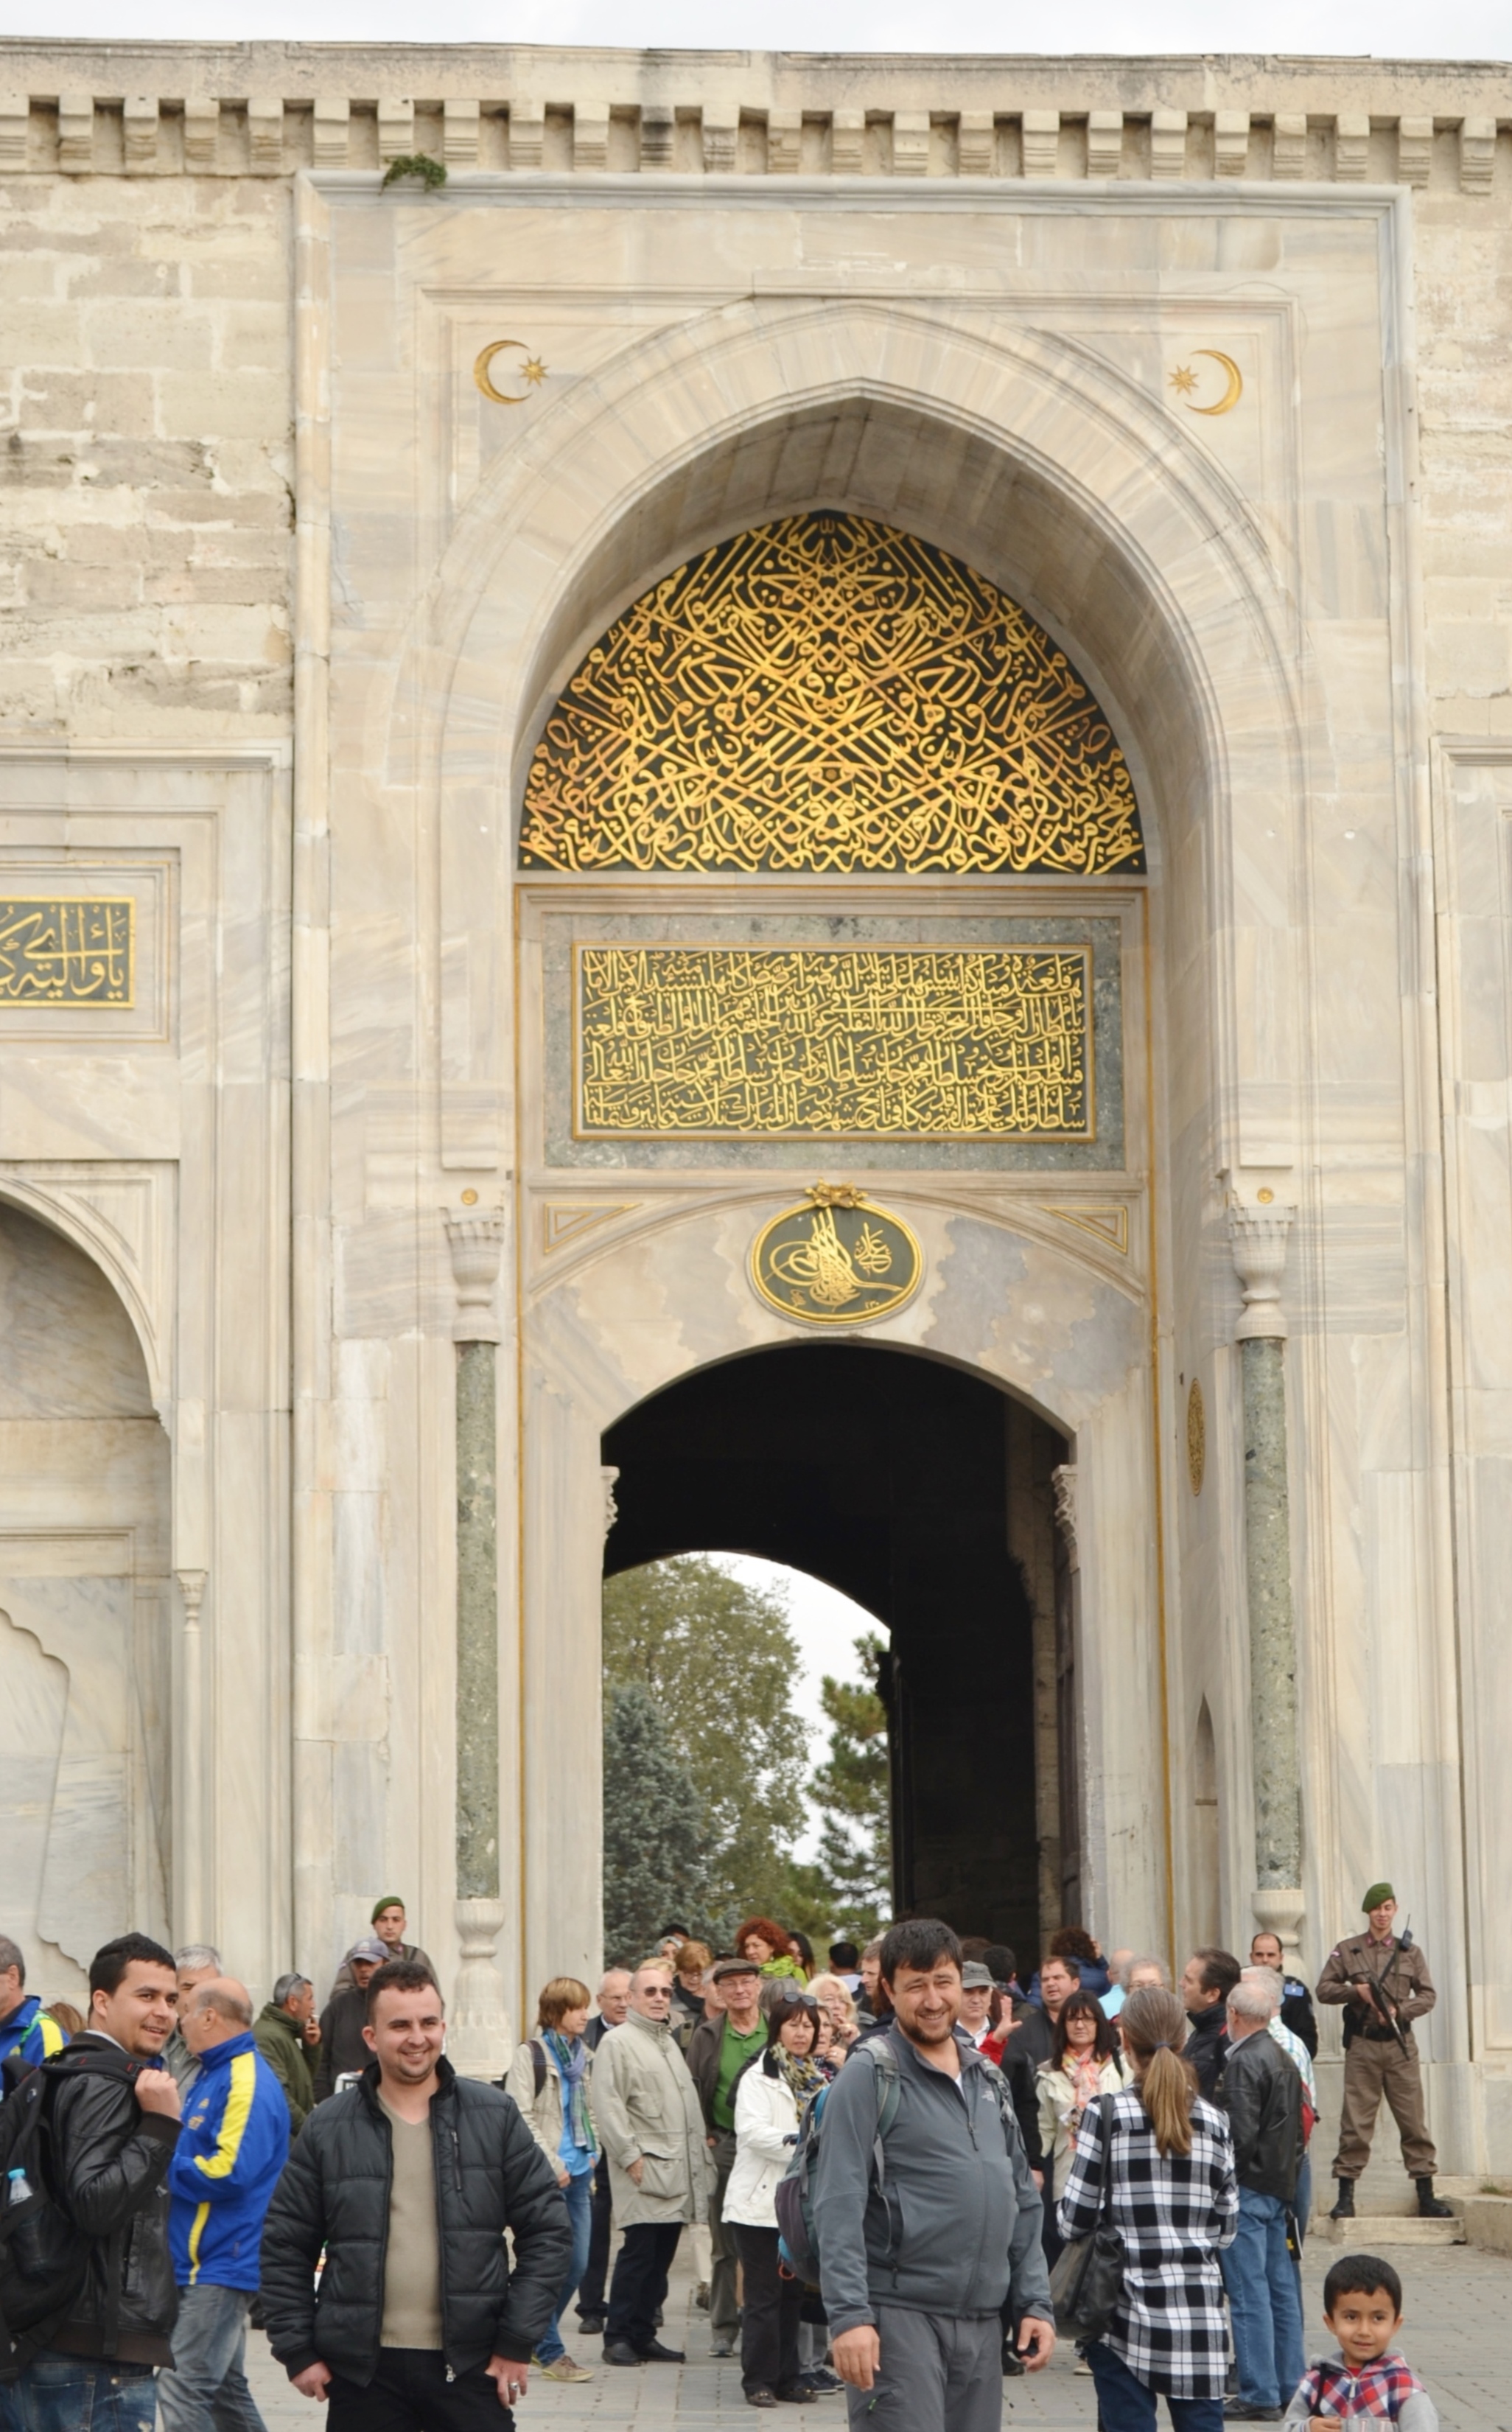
(67, 950)
(828, 694)
(826, 1042)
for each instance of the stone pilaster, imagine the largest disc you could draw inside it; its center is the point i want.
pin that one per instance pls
(477, 2037)
(191, 1858)
(1258, 1239)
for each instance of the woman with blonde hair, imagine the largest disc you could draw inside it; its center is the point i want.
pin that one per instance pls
(548, 2078)
(690, 1962)
(1156, 2161)
(838, 2012)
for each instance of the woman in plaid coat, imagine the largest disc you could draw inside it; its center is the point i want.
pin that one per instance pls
(1173, 2196)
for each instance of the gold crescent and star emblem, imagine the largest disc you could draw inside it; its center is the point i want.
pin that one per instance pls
(532, 371)
(835, 1260)
(1184, 380)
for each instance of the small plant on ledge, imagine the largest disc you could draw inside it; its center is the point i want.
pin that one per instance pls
(415, 164)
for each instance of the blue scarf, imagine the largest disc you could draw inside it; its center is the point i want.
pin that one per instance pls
(571, 2056)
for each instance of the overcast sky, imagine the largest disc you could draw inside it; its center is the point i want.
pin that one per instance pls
(826, 1626)
(1387, 29)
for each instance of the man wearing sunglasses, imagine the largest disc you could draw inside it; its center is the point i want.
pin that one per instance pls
(650, 2126)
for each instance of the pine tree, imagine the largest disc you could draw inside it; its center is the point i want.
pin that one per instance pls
(718, 1659)
(852, 1788)
(655, 1852)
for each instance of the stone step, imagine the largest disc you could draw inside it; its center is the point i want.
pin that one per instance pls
(1369, 2230)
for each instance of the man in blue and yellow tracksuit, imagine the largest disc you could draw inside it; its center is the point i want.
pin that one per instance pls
(24, 2026)
(231, 2150)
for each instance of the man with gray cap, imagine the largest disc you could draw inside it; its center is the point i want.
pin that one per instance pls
(975, 2022)
(1381, 1980)
(718, 2050)
(343, 2048)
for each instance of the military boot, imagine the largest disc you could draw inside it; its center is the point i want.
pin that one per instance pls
(1344, 2209)
(1432, 2207)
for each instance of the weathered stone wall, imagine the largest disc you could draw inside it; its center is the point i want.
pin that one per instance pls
(146, 459)
(145, 289)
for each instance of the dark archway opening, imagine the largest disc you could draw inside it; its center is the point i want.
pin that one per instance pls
(924, 1492)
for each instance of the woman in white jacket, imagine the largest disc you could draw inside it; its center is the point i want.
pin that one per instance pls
(771, 2093)
(1084, 2064)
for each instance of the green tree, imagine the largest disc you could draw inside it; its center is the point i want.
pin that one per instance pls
(655, 1861)
(718, 1660)
(851, 1788)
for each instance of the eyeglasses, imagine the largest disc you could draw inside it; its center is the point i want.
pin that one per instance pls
(796, 2002)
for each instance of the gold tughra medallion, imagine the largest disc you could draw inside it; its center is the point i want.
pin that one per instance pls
(835, 1260)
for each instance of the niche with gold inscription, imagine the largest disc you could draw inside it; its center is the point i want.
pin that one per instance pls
(826, 694)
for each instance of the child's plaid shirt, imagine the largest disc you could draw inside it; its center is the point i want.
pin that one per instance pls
(1330, 2389)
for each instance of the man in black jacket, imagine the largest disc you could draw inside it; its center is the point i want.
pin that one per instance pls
(1263, 2096)
(1028, 2047)
(1207, 1980)
(409, 2180)
(344, 2020)
(113, 2124)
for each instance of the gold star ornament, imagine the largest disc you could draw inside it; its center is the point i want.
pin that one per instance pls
(1183, 379)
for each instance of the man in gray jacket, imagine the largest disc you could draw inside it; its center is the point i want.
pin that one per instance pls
(915, 2274)
(650, 2124)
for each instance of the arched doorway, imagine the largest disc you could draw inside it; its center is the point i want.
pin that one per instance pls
(85, 1691)
(924, 1493)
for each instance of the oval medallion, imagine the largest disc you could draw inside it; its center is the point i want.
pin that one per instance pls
(837, 1260)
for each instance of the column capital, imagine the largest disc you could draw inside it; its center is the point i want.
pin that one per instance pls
(476, 1241)
(1257, 1241)
(192, 1588)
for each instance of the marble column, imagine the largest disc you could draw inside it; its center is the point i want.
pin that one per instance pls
(477, 2034)
(1258, 1239)
(191, 1866)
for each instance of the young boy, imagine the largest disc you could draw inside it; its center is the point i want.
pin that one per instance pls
(1361, 2306)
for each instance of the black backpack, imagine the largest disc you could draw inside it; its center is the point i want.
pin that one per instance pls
(44, 2257)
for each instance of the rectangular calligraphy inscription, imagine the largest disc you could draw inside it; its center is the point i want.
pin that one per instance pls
(58, 950)
(871, 1042)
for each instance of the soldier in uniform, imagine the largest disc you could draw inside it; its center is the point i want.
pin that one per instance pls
(1382, 1981)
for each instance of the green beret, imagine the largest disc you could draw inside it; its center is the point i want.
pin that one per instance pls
(390, 1900)
(1373, 1897)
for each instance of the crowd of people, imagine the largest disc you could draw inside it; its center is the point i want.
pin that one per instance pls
(877, 2163)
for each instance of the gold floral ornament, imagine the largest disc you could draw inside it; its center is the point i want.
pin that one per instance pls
(826, 694)
(837, 1260)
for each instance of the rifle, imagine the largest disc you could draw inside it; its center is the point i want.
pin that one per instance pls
(1383, 2007)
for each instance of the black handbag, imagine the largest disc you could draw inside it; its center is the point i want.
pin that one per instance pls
(1087, 2281)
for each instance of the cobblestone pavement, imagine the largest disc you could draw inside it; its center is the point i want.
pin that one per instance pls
(1459, 2338)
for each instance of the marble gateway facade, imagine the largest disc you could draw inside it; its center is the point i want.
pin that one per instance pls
(334, 1249)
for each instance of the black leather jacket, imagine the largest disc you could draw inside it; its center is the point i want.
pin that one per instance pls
(491, 2175)
(107, 2167)
(1263, 2096)
(1207, 2049)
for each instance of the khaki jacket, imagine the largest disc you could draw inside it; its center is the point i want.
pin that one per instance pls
(541, 2112)
(646, 2104)
(1403, 1976)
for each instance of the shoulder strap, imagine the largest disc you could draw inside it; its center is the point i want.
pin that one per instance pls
(1105, 2103)
(538, 2063)
(888, 2089)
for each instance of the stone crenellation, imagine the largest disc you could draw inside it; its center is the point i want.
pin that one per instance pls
(268, 109)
